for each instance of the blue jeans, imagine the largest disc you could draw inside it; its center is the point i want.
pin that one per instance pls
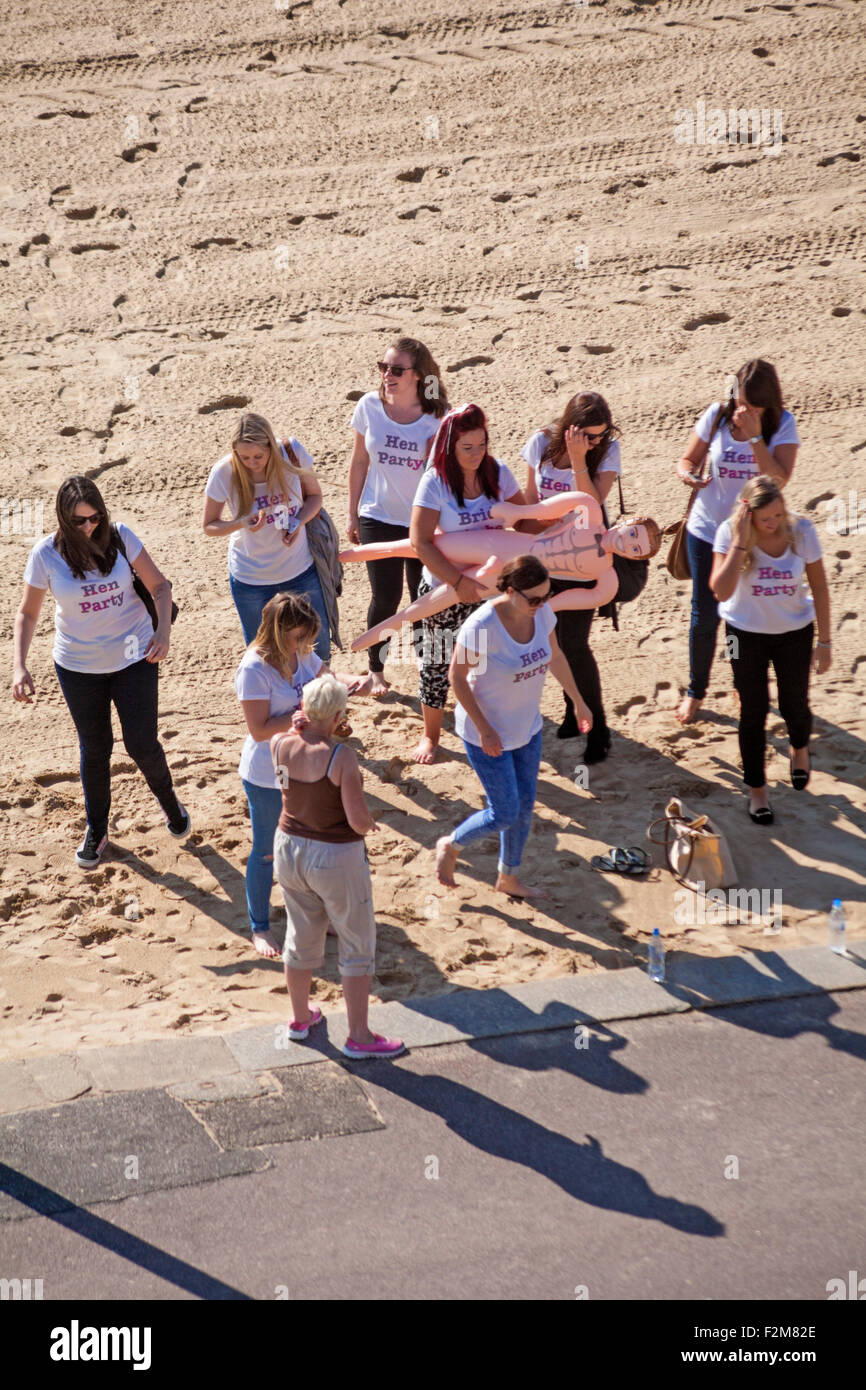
(705, 616)
(250, 599)
(265, 805)
(133, 692)
(509, 782)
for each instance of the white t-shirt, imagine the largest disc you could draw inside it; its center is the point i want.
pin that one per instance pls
(732, 464)
(100, 623)
(398, 457)
(550, 480)
(256, 679)
(261, 557)
(509, 678)
(774, 594)
(474, 515)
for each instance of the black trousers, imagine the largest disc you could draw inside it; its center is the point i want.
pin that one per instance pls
(386, 582)
(133, 692)
(791, 655)
(572, 634)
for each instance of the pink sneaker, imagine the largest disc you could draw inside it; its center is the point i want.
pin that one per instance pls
(300, 1031)
(382, 1047)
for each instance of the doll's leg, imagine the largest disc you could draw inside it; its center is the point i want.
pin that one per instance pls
(443, 596)
(549, 510)
(384, 550)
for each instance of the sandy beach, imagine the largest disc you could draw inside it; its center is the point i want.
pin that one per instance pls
(207, 210)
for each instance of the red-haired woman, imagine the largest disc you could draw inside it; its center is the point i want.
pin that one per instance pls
(578, 452)
(463, 482)
(105, 650)
(393, 430)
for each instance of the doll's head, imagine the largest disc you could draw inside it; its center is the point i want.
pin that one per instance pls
(634, 537)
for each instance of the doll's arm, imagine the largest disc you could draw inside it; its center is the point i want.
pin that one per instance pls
(601, 593)
(559, 505)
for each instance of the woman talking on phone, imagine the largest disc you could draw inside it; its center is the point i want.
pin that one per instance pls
(749, 434)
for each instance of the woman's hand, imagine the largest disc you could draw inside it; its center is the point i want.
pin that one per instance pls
(22, 686)
(256, 521)
(491, 743)
(289, 537)
(692, 479)
(742, 526)
(353, 529)
(822, 658)
(583, 714)
(157, 647)
(747, 419)
(468, 590)
(578, 447)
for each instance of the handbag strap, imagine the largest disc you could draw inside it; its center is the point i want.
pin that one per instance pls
(668, 839)
(694, 491)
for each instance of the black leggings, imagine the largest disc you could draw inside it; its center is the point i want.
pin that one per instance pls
(386, 581)
(572, 634)
(791, 655)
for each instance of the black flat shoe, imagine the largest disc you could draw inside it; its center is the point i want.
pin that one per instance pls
(568, 728)
(762, 817)
(800, 775)
(597, 747)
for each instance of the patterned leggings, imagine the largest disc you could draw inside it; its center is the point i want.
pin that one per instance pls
(438, 648)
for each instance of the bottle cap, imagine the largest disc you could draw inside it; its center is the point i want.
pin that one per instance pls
(837, 902)
(656, 931)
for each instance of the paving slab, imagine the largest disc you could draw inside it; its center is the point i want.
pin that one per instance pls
(104, 1149)
(313, 1103)
(237, 1084)
(60, 1077)
(19, 1089)
(160, 1063)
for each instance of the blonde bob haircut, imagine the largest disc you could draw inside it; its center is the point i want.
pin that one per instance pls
(758, 493)
(281, 615)
(325, 699)
(255, 429)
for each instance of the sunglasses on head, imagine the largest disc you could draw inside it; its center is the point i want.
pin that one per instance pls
(535, 601)
(94, 520)
(386, 367)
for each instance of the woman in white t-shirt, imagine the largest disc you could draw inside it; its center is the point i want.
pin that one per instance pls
(769, 579)
(106, 650)
(393, 428)
(269, 683)
(749, 434)
(455, 494)
(503, 652)
(272, 492)
(578, 452)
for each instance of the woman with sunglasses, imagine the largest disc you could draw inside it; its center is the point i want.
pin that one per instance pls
(748, 434)
(463, 482)
(503, 653)
(579, 452)
(393, 429)
(105, 650)
(273, 492)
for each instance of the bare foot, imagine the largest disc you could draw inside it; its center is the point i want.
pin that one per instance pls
(447, 855)
(375, 685)
(265, 944)
(511, 884)
(425, 750)
(687, 710)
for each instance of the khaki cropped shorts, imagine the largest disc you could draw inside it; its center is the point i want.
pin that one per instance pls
(324, 885)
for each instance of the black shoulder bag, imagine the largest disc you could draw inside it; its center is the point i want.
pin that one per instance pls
(141, 589)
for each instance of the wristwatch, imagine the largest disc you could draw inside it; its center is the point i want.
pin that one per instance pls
(756, 438)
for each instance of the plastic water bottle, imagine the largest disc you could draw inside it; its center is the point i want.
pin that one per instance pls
(836, 928)
(656, 962)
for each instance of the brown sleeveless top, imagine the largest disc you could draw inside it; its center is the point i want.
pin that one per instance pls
(314, 810)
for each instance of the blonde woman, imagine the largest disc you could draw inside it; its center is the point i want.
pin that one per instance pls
(269, 683)
(272, 492)
(322, 866)
(769, 579)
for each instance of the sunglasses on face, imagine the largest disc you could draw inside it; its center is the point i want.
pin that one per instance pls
(595, 437)
(386, 367)
(94, 520)
(535, 600)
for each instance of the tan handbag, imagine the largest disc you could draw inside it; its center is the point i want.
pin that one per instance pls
(677, 561)
(697, 852)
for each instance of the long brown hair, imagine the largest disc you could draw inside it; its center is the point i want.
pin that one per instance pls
(255, 429)
(280, 614)
(431, 388)
(759, 384)
(522, 573)
(443, 458)
(586, 408)
(81, 554)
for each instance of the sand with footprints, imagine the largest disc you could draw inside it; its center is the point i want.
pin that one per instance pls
(205, 210)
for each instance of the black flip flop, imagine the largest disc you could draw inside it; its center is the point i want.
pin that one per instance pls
(631, 862)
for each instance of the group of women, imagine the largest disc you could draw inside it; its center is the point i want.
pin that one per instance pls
(419, 470)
